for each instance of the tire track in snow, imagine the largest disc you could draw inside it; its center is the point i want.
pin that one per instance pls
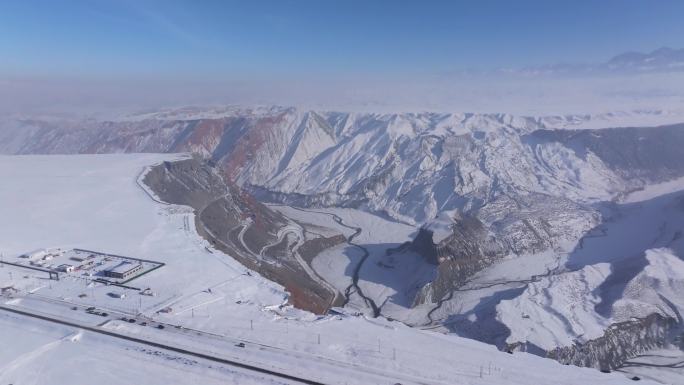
(28, 357)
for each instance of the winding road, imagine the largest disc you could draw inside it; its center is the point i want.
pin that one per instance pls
(354, 286)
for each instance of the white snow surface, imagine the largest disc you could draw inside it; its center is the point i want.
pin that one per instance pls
(654, 190)
(638, 245)
(661, 365)
(93, 201)
(557, 311)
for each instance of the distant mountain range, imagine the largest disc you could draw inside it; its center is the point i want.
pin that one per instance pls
(661, 60)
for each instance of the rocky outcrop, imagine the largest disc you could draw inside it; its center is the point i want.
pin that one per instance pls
(620, 342)
(469, 249)
(423, 245)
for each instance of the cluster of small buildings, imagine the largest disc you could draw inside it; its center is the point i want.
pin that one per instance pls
(105, 268)
(80, 260)
(46, 259)
(40, 257)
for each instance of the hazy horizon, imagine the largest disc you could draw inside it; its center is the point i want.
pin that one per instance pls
(97, 57)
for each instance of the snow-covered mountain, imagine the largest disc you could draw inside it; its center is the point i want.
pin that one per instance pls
(221, 323)
(509, 207)
(410, 165)
(662, 59)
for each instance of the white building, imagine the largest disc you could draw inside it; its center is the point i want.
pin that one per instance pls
(124, 270)
(35, 254)
(65, 268)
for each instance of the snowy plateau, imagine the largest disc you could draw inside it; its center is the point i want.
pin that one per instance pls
(277, 245)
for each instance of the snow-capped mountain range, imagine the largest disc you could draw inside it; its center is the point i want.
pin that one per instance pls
(523, 196)
(411, 165)
(661, 60)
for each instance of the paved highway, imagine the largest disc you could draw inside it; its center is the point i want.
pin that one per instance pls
(159, 345)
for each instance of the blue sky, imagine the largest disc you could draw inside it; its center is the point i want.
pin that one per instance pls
(97, 56)
(196, 39)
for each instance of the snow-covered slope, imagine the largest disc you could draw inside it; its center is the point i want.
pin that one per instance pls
(628, 267)
(411, 166)
(94, 201)
(530, 198)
